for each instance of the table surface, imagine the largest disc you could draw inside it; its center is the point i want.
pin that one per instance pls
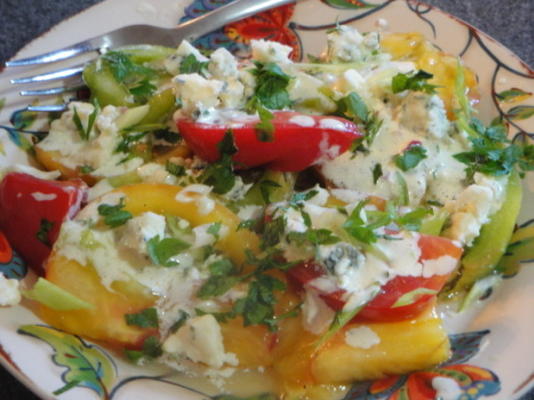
(509, 22)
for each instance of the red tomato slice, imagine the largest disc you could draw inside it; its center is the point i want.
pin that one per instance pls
(381, 308)
(32, 211)
(294, 146)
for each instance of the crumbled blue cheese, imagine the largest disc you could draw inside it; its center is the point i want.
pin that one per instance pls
(266, 51)
(99, 151)
(473, 207)
(197, 93)
(9, 291)
(361, 337)
(424, 115)
(346, 44)
(223, 64)
(200, 340)
(205, 238)
(172, 63)
(139, 230)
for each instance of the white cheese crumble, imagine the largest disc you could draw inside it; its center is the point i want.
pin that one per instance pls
(9, 291)
(267, 51)
(99, 151)
(361, 337)
(223, 64)
(172, 63)
(197, 92)
(139, 230)
(200, 340)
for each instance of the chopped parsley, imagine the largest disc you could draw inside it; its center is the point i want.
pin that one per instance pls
(137, 78)
(190, 65)
(257, 307)
(86, 169)
(114, 216)
(417, 82)
(151, 349)
(215, 229)
(161, 251)
(353, 107)
(410, 158)
(264, 128)
(175, 169)
(147, 318)
(271, 86)
(493, 154)
(45, 228)
(220, 174)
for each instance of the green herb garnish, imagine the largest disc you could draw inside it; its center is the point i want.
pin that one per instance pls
(161, 251)
(410, 158)
(147, 318)
(417, 82)
(114, 215)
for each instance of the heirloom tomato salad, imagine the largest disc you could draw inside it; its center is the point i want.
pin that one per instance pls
(296, 219)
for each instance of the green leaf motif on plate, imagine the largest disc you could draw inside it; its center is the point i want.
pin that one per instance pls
(350, 4)
(87, 365)
(520, 112)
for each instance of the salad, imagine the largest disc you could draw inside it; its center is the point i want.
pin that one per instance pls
(300, 220)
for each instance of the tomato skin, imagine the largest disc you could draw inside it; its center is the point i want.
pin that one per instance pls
(381, 309)
(25, 201)
(310, 143)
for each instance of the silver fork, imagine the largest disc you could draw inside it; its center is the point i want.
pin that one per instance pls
(132, 35)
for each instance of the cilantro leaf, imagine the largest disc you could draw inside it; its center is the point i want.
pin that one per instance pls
(353, 106)
(214, 229)
(161, 251)
(190, 65)
(175, 169)
(264, 128)
(415, 81)
(220, 174)
(45, 228)
(492, 154)
(114, 216)
(151, 349)
(315, 237)
(410, 157)
(301, 197)
(217, 285)
(147, 318)
(273, 230)
(271, 86)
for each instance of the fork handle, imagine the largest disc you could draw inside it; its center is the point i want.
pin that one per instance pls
(227, 14)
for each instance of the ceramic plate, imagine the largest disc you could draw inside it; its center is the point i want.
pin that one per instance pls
(493, 347)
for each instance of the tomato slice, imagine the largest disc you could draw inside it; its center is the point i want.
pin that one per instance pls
(383, 306)
(311, 137)
(32, 211)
